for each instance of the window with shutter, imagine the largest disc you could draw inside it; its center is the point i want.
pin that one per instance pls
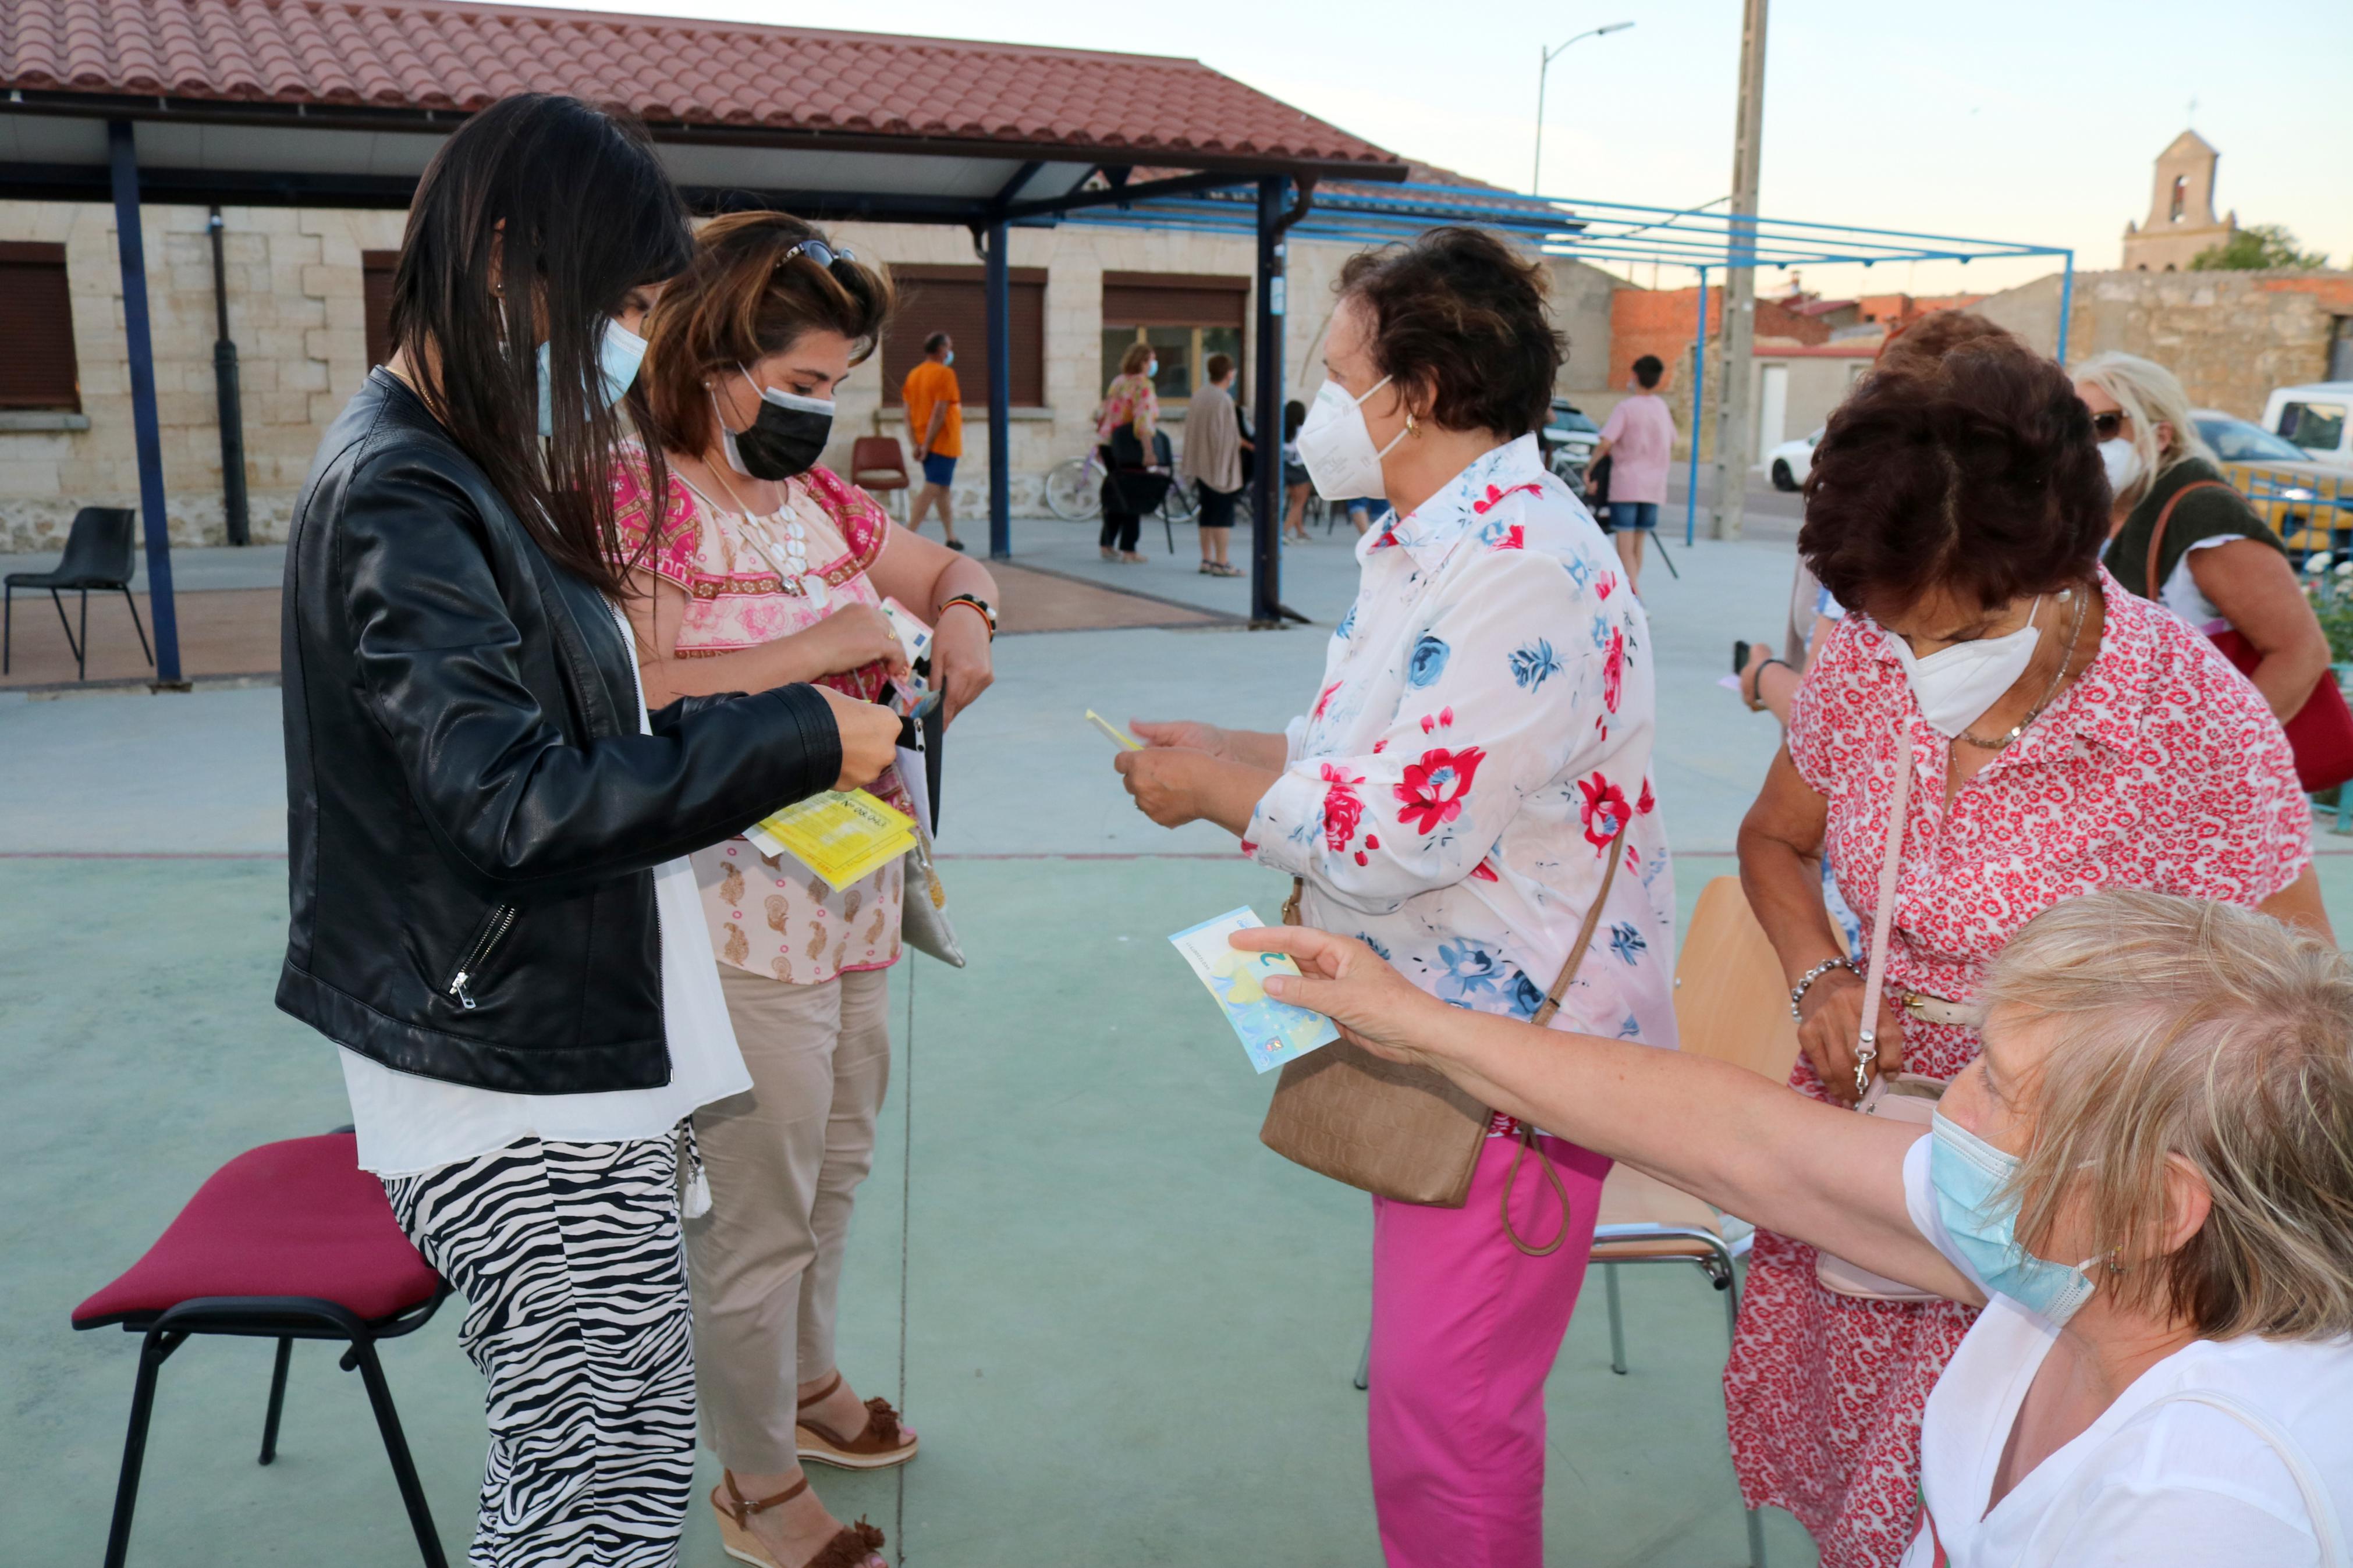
(953, 300)
(1187, 316)
(376, 268)
(37, 369)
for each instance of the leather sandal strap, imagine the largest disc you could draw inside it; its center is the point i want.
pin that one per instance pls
(822, 1394)
(879, 1435)
(852, 1546)
(741, 1507)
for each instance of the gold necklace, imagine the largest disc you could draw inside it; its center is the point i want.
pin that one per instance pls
(2065, 660)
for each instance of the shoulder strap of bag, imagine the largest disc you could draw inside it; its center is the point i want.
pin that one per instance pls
(2152, 588)
(1543, 1015)
(1890, 863)
(2326, 1534)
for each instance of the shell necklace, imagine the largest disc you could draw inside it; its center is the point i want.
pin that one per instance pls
(789, 556)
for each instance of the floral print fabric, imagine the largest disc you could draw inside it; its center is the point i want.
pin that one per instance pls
(1129, 400)
(1483, 728)
(2159, 768)
(776, 918)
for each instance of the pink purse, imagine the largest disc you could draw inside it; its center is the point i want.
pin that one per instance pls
(1900, 1097)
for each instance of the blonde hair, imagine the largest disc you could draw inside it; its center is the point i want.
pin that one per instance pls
(2151, 395)
(2200, 1030)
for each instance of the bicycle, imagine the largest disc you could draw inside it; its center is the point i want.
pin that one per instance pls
(1075, 492)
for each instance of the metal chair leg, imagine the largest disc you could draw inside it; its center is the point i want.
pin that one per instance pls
(137, 627)
(277, 1400)
(66, 626)
(153, 1350)
(1364, 1378)
(1617, 1320)
(395, 1446)
(1755, 1540)
(7, 626)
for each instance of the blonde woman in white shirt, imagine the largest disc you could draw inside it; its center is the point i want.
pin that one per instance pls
(2147, 1178)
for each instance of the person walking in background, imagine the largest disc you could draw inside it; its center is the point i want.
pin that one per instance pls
(1213, 461)
(1132, 403)
(2219, 565)
(1638, 440)
(1475, 763)
(1296, 487)
(487, 828)
(756, 568)
(934, 406)
(2065, 736)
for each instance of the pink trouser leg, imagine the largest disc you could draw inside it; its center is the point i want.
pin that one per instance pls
(1465, 1328)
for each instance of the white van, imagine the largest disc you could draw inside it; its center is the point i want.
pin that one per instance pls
(2316, 418)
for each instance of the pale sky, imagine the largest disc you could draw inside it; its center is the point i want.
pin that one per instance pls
(2002, 118)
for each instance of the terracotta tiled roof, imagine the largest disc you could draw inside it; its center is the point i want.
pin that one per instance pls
(421, 55)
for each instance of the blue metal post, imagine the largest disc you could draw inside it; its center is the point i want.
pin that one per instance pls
(1699, 387)
(1266, 530)
(145, 429)
(2066, 303)
(997, 284)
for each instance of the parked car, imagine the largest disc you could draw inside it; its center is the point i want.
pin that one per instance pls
(2314, 416)
(1568, 440)
(1791, 461)
(2308, 503)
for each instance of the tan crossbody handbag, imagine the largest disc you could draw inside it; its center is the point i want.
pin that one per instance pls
(1401, 1131)
(1900, 1097)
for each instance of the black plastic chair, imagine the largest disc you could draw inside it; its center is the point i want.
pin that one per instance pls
(97, 555)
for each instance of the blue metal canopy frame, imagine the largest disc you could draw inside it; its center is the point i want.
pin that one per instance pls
(1709, 242)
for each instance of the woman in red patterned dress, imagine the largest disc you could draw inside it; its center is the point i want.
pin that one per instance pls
(2067, 737)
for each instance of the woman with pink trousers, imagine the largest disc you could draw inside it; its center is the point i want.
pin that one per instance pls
(1478, 742)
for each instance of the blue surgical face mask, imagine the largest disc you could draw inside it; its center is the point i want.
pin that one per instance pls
(948, 358)
(1968, 1175)
(619, 352)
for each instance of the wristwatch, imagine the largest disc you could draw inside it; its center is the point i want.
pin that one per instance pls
(987, 614)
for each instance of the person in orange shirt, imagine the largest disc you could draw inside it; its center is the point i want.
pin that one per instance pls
(935, 422)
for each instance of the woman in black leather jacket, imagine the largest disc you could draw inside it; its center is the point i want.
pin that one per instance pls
(491, 913)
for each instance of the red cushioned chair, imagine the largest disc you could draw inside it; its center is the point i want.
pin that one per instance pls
(289, 1241)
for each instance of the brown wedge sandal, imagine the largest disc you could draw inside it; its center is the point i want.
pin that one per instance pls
(852, 1546)
(877, 1447)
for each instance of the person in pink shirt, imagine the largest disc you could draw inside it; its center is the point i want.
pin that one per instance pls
(1638, 440)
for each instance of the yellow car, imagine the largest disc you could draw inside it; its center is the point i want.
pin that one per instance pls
(2308, 504)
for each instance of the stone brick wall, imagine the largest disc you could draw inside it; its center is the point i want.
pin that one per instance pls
(296, 310)
(2229, 336)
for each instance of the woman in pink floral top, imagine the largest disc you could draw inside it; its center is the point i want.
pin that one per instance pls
(1481, 734)
(1959, 507)
(758, 569)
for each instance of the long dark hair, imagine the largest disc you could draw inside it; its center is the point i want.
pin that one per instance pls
(571, 204)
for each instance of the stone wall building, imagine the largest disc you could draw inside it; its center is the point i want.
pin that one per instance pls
(305, 291)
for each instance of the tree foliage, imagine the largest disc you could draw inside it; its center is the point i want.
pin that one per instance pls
(2256, 249)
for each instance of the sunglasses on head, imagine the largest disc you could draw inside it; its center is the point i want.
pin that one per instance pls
(2105, 425)
(818, 251)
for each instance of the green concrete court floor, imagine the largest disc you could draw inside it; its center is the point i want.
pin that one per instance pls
(1123, 1328)
(1124, 1331)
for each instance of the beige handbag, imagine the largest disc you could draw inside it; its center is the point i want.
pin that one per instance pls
(923, 923)
(1401, 1131)
(1900, 1097)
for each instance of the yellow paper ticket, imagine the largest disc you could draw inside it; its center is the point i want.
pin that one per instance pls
(1114, 730)
(840, 835)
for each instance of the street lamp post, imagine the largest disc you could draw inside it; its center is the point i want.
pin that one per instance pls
(1535, 181)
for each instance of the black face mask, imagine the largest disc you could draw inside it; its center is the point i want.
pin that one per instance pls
(787, 438)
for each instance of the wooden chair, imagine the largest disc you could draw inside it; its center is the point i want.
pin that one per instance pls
(878, 465)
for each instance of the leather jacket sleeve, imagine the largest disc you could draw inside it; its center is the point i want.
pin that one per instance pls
(519, 806)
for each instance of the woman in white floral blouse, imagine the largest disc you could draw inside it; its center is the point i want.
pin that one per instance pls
(1483, 732)
(762, 568)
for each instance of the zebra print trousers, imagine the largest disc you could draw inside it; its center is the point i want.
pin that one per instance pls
(575, 1277)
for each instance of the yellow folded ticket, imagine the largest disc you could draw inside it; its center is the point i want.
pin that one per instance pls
(840, 835)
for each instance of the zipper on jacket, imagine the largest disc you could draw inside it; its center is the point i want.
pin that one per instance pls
(461, 985)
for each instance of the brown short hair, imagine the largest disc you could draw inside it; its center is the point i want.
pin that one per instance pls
(1932, 337)
(2201, 1031)
(1975, 473)
(1458, 321)
(1137, 357)
(739, 302)
(1219, 366)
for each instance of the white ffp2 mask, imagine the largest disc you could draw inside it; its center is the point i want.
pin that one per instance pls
(2122, 460)
(1956, 685)
(1338, 449)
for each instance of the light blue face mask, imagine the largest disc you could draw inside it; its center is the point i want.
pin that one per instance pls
(948, 358)
(619, 352)
(1969, 1174)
